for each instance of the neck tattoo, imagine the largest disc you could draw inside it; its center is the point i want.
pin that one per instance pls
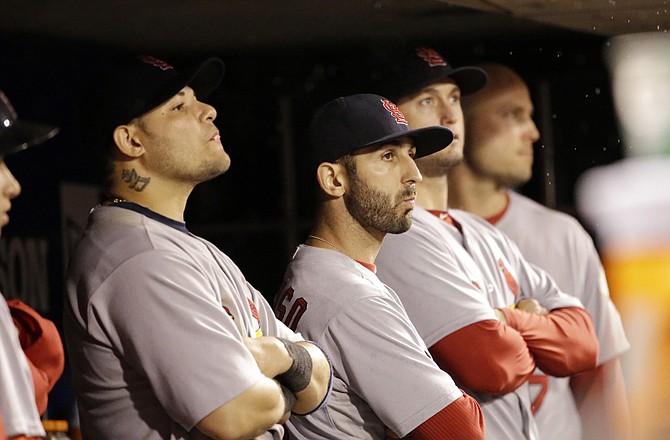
(314, 237)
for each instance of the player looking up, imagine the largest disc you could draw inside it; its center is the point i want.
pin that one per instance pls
(31, 351)
(385, 382)
(167, 338)
(487, 315)
(498, 156)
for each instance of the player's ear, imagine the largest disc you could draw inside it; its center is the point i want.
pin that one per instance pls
(127, 140)
(331, 178)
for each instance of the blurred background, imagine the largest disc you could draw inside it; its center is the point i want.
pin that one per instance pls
(283, 60)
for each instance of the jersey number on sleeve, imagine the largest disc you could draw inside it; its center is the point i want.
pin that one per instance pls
(298, 308)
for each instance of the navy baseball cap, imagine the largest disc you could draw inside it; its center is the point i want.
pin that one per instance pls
(135, 86)
(17, 134)
(353, 122)
(410, 71)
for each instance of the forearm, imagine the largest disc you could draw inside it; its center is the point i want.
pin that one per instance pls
(562, 342)
(248, 415)
(487, 357)
(305, 370)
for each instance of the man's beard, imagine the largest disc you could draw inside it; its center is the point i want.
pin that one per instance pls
(375, 209)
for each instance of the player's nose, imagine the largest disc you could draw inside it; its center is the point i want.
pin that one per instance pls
(448, 114)
(9, 186)
(411, 172)
(208, 111)
(532, 131)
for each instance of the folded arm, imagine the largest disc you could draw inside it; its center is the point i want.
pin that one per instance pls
(563, 341)
(486, 356)
(250, 414)
(297, 379)
(310, 373)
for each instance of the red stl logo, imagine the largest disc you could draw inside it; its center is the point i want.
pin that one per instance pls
(431, 56)
(155, 62)
(395, 111)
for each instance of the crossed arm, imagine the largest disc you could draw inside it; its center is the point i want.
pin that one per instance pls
(561, 342)
(274, 359)
(269, 402)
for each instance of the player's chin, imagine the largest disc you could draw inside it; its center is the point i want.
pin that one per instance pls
(221, 164)
(403, 224)
(4, 219)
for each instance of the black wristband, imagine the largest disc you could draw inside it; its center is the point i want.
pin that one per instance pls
(289, 398)
(298, 376)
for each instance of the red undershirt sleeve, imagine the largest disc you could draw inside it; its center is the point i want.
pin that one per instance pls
(43, 348)
(460, 420)
(487, 357)
(563, 342)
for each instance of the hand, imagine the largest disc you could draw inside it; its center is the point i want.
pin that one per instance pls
(500, 315)
(531, 306)
(270, 355)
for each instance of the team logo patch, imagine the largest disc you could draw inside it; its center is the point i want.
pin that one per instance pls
(394, 111)
(254, 313)
(155, 62)
(509, 278)
(431, 56)
(228, 312)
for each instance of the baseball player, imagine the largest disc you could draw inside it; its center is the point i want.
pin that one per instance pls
(386, 383)
(500, 133)
(31, 351)
(167, 338)
(487, 315)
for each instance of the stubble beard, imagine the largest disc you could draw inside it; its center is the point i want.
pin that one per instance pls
(182, 171)
(374, 209)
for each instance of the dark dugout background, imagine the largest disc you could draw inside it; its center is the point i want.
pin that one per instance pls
(259, 210)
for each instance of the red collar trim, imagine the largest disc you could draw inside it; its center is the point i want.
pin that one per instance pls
(371, 267)
(444, 216)
(496, 217)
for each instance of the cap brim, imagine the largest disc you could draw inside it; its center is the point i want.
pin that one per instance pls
(427, 140)
(24, 134)
(469, 79)
(206, 77)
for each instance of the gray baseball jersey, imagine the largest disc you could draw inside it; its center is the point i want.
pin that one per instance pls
(447, 280)
(17, 393)
(154, 323)
(558, 244)
(383, 373)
